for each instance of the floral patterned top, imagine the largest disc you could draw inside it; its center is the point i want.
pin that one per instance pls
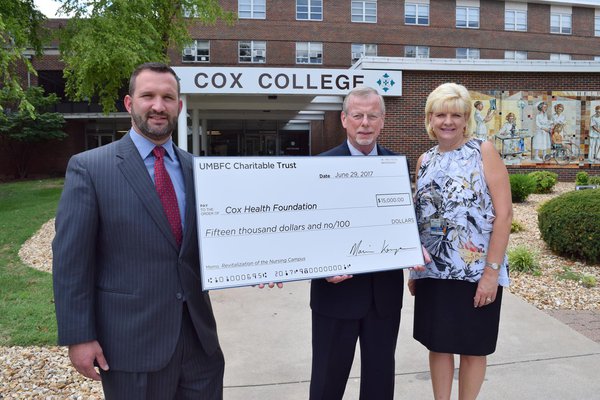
(455, 214)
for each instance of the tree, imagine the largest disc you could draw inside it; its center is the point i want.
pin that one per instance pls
(21, 33)
(23, 131)
(105, 40)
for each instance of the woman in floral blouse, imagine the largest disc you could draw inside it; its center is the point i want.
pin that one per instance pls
(464, 212)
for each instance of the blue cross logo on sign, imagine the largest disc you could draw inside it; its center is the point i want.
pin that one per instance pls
(386, 82)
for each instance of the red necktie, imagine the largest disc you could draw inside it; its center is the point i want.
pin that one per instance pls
(166, 193)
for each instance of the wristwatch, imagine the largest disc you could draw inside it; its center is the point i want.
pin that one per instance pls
(494, 266)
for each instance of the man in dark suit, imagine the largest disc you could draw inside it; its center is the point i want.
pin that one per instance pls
(367, 306)
(126, 267)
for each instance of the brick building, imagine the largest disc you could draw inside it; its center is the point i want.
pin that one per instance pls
(512, 55)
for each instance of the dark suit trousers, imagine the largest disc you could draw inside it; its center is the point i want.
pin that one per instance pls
(334, 344)
(191, 374)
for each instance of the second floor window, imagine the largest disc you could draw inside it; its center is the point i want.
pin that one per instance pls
(597, 26)
(364, 11)
(252, 51)
(311, 10)
(465, 53)
(198, 51)
(416, 14)
(515, 55)
(255, 9)
(515, 20)
(467, 17)
(309, 53)
(416, 51)
(361, 49)
(560, 23)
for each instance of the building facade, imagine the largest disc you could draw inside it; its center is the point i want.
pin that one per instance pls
(512, 55)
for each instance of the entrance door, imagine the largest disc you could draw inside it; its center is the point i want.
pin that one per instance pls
(260, 144)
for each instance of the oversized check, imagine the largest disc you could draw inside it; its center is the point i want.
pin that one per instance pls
(277, 219)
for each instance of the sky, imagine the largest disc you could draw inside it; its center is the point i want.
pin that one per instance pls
(48, 7)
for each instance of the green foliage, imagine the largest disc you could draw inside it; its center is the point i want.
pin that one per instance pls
(589, 281)
(521, 186)
(22, 131)
(521, 259)
(594, 180)
(516, 226)
(581, 178)
(20, 30)
(104, 41)
(568, 274)
(569, 224)
(26, 299)
(544, 181)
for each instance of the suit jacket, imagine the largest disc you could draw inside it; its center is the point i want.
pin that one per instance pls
(119, 276)
(352, 298)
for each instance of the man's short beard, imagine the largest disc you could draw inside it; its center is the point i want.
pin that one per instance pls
(156, 133)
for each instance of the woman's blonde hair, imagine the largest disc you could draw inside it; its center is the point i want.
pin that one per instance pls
(449, 96)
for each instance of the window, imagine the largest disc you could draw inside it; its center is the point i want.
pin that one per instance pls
(597, 58)
(515, 20)
(255, 9)
(416, 14)
(515, 55)
(252, 51)
(467, 17)
(560, 57)
(597, 26)
(311, 10)
(560, 23)
(416, 51)
(359, 50)
(309, 53)
(198, 51)
(464, 53)
(364, 11)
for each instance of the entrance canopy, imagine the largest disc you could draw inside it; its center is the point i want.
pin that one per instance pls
(293, 95)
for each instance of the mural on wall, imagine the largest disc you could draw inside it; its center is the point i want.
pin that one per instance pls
(530, 127)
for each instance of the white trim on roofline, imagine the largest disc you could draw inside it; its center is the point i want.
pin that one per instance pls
(453, 64)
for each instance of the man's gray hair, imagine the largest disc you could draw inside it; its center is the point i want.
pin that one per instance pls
(363, 91)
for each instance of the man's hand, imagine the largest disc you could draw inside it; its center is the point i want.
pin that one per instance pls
(338, 278)
(271, 285)
(83, 355)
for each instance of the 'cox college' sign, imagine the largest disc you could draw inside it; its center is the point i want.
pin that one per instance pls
(286, 81)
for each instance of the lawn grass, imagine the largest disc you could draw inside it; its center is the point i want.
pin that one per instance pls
(26, 299)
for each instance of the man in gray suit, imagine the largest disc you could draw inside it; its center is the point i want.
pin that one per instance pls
(126, 277)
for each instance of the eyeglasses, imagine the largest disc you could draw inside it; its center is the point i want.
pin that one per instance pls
(361, 117)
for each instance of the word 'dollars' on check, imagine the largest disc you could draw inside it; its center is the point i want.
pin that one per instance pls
(280, 219)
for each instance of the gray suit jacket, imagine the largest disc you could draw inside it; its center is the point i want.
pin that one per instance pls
(119, 276)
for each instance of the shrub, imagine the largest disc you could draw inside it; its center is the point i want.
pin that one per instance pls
(521, 259)
(594, 180)
(521, 186)
(544, 181)
(581, 178)
(569, 224)
(516, 226)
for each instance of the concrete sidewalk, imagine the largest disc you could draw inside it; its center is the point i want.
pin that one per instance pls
(266, 337)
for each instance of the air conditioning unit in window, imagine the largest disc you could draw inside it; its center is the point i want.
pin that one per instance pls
(188, 52)
(356, 56)
(259, 53)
